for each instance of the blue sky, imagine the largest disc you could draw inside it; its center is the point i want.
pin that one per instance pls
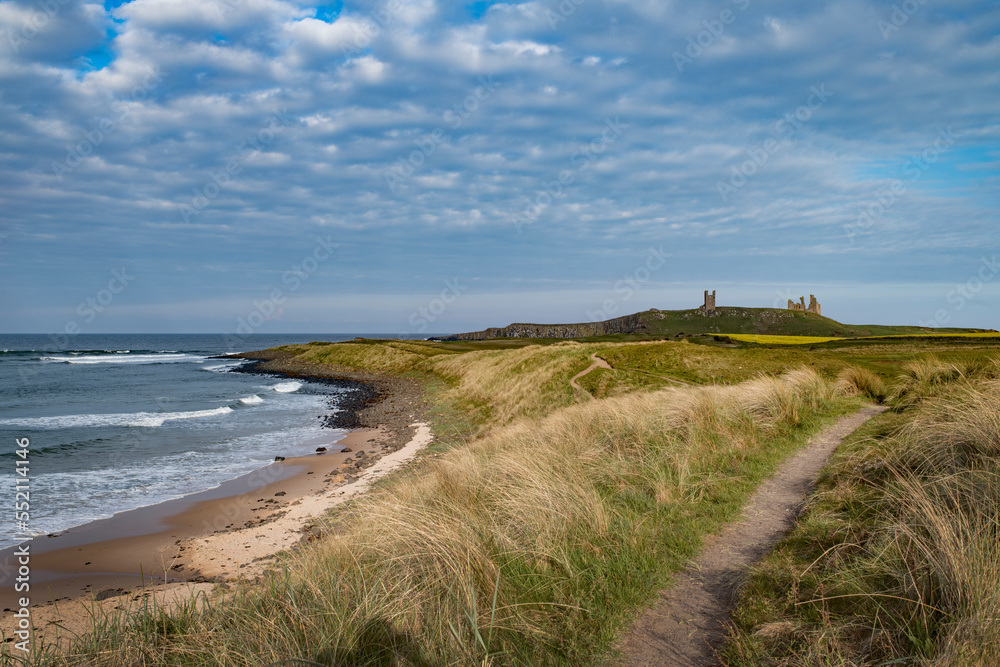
(422, 166)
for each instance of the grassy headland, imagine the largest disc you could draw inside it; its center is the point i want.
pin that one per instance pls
(656, 323)
(548, 518)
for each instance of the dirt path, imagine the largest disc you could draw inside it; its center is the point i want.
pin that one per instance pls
(687, 625)
(598, 363)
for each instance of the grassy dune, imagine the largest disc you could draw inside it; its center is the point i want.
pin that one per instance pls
(897, 560)
(550, 518)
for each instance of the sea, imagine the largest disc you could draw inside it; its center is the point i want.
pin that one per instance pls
(120, 421)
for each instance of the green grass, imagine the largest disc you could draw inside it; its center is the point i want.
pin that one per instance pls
(771, 321)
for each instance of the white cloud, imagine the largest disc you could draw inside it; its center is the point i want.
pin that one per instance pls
(515, 105)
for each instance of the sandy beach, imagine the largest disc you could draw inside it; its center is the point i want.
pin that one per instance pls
(194, 543)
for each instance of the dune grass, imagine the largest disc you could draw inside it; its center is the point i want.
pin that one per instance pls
(505, 385)
(897, 560)
(372, 356)
(857, 381)
(531, 545)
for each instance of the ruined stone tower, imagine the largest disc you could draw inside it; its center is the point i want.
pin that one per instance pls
(709, 308)
(813, 306)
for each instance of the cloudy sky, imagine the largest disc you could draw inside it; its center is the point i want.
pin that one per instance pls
(427, 166)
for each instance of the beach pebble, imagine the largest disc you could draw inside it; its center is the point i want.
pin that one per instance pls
(321, 449)
(280, 493)
(346, 449)
(279, 458)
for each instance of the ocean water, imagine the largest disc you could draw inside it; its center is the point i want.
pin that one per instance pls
(117, 422)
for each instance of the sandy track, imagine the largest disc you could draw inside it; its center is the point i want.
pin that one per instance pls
(687, 625)
(598, 363)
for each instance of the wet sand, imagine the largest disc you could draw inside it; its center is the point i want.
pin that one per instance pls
(215, 536)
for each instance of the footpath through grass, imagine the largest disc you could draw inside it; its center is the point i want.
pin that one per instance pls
(897, 560)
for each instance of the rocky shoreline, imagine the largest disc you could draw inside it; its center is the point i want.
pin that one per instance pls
(378, 401)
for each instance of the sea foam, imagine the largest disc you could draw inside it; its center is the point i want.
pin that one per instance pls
(222, 368)
(147, 419)
(124, 358)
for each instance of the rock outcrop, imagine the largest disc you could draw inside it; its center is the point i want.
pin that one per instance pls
(619, 325)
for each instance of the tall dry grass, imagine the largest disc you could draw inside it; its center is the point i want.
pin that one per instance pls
(528, 546)
(506, 385)
(857, 381)
(928, 375)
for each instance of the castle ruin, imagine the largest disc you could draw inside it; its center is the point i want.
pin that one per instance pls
(708, 309)
(813, 306)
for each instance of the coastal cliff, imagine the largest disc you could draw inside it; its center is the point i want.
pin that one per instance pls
(619, 325)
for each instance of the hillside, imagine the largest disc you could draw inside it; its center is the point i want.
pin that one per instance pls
(673, 323)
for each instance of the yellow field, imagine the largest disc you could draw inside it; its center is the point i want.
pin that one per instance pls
(808, 340)
(780, 340)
